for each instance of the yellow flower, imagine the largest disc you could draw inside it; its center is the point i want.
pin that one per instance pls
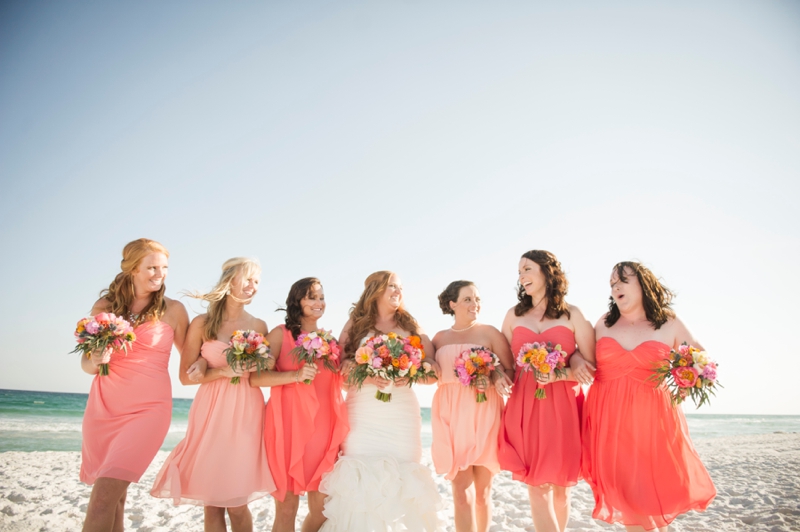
(412, 371)
(544, 368)
(392, 335)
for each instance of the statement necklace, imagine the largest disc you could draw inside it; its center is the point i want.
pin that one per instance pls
(474, 323)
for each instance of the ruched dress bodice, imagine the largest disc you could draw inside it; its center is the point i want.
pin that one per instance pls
(637, 455)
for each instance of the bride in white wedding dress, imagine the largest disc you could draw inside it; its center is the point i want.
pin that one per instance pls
(378, 483)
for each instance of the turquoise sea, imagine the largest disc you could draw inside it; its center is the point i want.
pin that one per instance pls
(48, 421)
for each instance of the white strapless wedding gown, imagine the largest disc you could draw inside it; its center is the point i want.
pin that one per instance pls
(378, 483)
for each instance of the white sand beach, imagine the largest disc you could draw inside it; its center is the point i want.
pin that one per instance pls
(757, 478)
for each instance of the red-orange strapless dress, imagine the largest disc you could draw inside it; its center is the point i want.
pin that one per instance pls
(637, 455)
(129, 410)
(305, 424)
(540, 439)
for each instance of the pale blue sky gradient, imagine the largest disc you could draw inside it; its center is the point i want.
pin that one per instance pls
(439, 141)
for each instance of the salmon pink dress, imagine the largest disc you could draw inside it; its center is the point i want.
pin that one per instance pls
(305, 426)
(129, 410)
(540, 439)
(464, 431)
(637, 455)
(221, 461)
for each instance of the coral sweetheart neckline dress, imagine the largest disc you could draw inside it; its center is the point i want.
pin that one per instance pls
(540, 439)
(637, 455)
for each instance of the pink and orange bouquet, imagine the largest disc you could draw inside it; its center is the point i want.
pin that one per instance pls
(474, 368)
(105, 332)
(688, 372)
(390, 356)
(248, 350)
(317, 345)
(543, 359)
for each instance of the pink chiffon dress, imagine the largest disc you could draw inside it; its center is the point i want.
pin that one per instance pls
(129, 410)
(305, 425)
(464, 431)
(637, 455)
(540, 439)
(222, 460)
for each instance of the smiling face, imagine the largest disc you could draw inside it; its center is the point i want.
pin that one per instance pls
(531, 278)
(313, 304)
(149, 276)
(244, 285)
(393, 295)
(468, 305)
(626, 291)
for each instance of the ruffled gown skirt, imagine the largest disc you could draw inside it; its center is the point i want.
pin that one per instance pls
(379, 484)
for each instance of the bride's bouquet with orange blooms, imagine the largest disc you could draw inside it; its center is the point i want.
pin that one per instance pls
(317, 345)
(543, 359)
(474, 367)
(688, 372)
(391, 357)
(247, 350)
(104, 332)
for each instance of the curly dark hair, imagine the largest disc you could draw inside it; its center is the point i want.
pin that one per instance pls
(293, 309)
(656, 298)
(451, 294)
(556, 286)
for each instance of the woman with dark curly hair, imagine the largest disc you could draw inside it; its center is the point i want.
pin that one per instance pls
(637, 455)
(540, 439)
(304, 423)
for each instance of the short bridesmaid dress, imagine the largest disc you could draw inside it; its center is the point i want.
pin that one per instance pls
(540, 439)
(129, 410)
(637, 455)
(464, 431)
(222, 460)
(305, 424)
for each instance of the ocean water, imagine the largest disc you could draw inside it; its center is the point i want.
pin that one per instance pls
(47, 421)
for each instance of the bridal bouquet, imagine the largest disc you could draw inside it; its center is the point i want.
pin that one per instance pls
(688, 372)
(247, 349)
(543, 359)
(473, 367)
(106, 332)
(391, 357)
(317, 345)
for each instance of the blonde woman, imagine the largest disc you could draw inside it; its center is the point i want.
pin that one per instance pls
(221, 463)
(129, 410)
(378, 482)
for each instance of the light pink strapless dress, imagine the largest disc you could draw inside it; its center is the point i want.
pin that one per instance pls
(129, 410)
(221, 461)
(464, 431)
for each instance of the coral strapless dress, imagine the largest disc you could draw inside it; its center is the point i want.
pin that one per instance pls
(305, 424)
(637, 455)
(129, 410)
(464, 431)
(540, 439)
(221, 461)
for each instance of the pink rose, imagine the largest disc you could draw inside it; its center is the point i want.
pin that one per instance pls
(685, 377)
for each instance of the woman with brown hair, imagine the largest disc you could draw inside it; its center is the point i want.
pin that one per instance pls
(637, 455)
(465, 432)
(378, 482)
(221, 464)
(129, 410)
(304, 423)
(540, 439)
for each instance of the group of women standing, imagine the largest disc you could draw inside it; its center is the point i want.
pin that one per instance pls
(358, 459)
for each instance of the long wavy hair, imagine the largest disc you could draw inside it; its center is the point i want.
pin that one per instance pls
(656, 297)
(121, 293)
(364, 314)
(556, 286)
(217, 296)
(294, 308)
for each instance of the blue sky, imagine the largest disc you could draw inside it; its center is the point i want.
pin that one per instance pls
(440, 141)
